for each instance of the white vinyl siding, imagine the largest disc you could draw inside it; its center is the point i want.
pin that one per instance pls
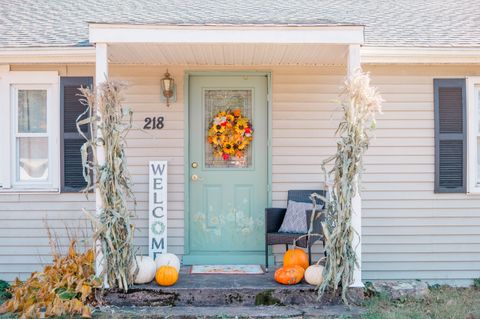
(143, 96)
(24, 245)
(409, 232)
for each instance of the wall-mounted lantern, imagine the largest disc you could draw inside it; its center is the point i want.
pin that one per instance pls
(168, 88)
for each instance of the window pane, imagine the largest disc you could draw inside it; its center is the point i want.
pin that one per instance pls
(228, 137)
(32, 111)
(32, 162)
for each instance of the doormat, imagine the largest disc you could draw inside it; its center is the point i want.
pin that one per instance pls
(227, 269)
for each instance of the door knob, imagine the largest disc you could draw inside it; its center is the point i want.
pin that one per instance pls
(194, 164)
(195, 177)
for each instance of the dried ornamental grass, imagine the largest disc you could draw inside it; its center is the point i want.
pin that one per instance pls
(112, 224)
(64, 287)
(360, 104)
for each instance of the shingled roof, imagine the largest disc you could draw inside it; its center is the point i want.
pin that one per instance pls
(398, 23)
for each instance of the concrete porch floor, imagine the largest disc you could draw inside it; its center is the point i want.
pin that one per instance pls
(186, 280)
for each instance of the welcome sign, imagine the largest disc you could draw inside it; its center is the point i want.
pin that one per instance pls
(157, 208)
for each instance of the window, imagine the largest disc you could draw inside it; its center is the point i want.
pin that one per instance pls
(38, 135)
(220, 100)
(30, 131)
(473, 99)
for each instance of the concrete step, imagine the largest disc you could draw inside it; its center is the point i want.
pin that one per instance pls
(219, 290)
(217, 297)
(323, 312)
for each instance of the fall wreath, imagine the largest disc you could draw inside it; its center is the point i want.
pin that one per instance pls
(230, 134)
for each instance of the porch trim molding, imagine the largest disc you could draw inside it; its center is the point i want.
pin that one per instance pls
(127, 33)
(53, 55)
(419, 55)
(369, 55)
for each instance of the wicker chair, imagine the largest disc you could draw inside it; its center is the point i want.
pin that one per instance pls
(274, 218)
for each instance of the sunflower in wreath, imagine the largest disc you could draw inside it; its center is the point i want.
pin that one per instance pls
(230, 133)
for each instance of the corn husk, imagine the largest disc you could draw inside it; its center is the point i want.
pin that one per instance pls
(112, 224)
(360, 104)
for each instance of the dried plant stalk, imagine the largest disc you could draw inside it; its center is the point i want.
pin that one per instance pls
(360, 104)
(112, 224)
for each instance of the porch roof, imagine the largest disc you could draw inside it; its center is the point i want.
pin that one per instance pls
(401, 23)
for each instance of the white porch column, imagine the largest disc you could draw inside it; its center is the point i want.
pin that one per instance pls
(101, 75)
(353, 64)
(353, 60)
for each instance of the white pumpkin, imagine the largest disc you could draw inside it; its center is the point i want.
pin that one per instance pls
(168, 259)
(146, 269)
(314, 275)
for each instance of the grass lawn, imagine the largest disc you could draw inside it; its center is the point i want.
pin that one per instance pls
(442, 303)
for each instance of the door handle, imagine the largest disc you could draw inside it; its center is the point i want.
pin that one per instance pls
(195, 177)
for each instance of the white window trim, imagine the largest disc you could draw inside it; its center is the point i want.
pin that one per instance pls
(473, 106)
(10, 82)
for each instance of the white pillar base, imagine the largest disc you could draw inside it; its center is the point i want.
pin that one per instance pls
(357, 242)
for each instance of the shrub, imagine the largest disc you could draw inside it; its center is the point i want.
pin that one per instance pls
(4, 294)
(64, 287)
(476, 283)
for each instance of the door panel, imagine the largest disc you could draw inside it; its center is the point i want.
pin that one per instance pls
(229, 195)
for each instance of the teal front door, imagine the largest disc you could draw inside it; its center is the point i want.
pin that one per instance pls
(227, 170)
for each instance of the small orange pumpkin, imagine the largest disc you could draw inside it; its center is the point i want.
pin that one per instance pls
(295, 257)
(166, 276)
(289, 275)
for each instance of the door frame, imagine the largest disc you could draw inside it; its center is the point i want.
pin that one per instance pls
(186, 148)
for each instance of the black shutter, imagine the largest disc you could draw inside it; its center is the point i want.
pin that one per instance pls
(450, 136)
(71, 161)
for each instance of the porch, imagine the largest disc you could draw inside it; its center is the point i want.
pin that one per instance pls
(229, 296)
(226, 296)
(226, 48)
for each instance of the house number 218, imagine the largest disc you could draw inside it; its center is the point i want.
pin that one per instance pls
(154, 123)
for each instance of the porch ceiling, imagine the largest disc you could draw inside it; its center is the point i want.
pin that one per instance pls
(227, 54)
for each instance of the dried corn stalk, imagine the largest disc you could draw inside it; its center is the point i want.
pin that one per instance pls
(111, 181)
(360, 104)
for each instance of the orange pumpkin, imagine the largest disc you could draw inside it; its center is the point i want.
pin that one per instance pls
(289, 275)
(294, 257)
(166, 276)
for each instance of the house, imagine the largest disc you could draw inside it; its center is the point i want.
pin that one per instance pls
(285, 61)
